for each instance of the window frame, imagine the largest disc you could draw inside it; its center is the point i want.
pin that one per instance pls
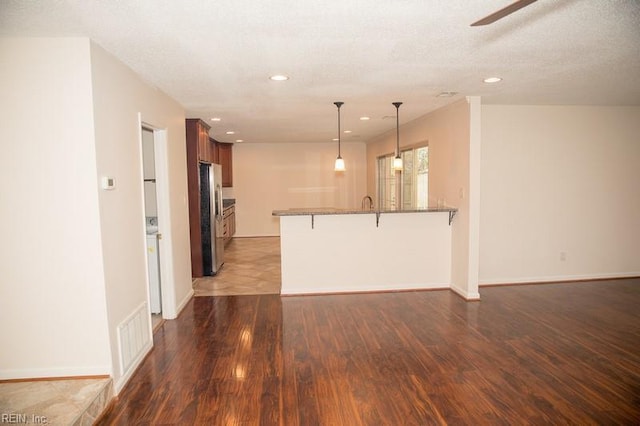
(399, 177)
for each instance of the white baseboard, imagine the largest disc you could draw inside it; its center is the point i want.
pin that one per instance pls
(255, 235)
(182, 304)
(465, 294)
(359, 289)
(557, 278)
(42, 373)
(122, 380)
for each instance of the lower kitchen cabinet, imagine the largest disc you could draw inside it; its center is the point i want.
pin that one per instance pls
(228, 223)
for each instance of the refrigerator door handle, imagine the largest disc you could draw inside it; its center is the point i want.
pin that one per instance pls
(218, 202)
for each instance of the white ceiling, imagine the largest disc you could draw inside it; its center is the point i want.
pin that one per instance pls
(215, 57)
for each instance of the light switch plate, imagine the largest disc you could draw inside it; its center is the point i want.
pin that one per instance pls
(108, 183)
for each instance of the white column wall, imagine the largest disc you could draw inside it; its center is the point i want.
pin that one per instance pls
(53, 319)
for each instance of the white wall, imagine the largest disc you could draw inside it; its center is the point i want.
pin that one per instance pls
(351, 253)
(447, 131)
(53, 319)
(277, 176)
(120, 99)
(149, 172)
(559, 179)
(72, 265)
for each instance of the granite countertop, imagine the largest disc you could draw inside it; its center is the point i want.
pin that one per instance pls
(228, 202)
(334, 211)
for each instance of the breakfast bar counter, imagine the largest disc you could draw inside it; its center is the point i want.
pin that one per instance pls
(333, 211)
(327, 250)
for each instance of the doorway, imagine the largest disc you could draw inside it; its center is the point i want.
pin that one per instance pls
(152, 223)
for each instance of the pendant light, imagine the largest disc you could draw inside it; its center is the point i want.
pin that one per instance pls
(339, 161)
(397, 162)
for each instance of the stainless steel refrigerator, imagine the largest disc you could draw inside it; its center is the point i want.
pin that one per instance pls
(211, 227)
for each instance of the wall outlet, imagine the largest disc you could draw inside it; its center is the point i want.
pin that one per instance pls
(563, 256)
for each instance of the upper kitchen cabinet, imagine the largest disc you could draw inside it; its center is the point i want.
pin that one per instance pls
(202, 148)
(225, 158)
(198, 140)
(214, 146)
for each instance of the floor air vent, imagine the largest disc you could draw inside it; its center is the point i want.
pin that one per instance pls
(134, 339)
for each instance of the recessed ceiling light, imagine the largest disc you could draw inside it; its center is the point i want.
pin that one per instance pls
(335, 139)
(231, 132)
(239, 140)
(492, 79)
(216, 119)
(347, 131)
(365, 118)
(446, 94)
(279, 77)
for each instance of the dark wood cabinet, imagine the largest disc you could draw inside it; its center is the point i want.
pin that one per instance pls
(213, 146)
(225, 157)
(203, 149)
(229, 223)
(202, 146)
(197, 133)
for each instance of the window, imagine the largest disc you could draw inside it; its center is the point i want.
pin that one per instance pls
(408, 189)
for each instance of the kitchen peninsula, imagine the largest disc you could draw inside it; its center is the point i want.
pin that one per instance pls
(338, 250)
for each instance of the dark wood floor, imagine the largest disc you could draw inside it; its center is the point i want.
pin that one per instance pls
(545, 354)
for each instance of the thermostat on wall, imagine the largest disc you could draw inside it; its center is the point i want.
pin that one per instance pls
(108, 182)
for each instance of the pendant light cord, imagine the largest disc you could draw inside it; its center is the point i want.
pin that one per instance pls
(339, 104)
(397, 105)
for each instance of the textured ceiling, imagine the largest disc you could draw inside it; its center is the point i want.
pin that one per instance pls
(215, 57)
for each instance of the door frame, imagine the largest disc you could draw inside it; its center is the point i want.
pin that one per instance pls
(167, 278)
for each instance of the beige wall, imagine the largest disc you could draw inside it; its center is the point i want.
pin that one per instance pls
(121, 101)
(275, 176)
(53, 319)
(447, 132)
(448, 161)
(559, 179)
(73, 255)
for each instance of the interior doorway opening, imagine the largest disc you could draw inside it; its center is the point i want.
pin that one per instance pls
(152, 223)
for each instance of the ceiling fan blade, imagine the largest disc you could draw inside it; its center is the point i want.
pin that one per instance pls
(503, 12)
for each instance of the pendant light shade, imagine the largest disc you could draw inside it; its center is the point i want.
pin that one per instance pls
(339, 167)
(397, 161)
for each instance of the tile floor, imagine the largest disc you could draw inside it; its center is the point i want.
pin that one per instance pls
(57, 402)
(54, 402)
(251, 266)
